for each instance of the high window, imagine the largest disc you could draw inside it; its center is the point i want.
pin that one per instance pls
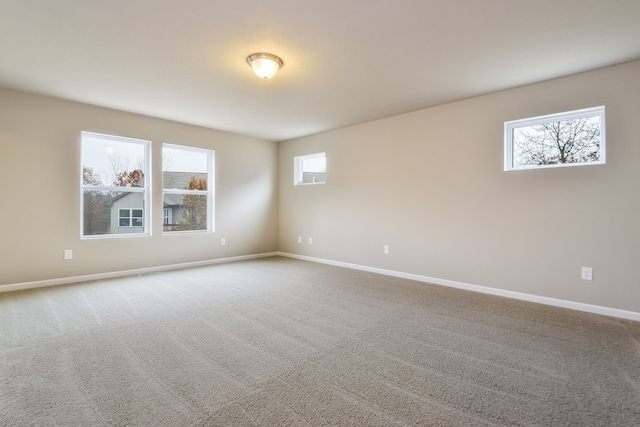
(115, 186)
(573, 138)
(310, 169)
(187, 181)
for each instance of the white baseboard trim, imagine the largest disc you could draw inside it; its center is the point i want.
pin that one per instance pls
(137, 271)
(589, 308)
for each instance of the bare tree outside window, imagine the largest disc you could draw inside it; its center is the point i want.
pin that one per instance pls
(575, 139)
(194, 213)
(95, 217)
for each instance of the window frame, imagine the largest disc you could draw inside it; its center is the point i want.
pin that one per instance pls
(209, 192)
(510, 126)
(145, 189)
(298, 168)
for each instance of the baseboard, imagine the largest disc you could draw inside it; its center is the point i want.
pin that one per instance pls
(589, 308)
(137, 271)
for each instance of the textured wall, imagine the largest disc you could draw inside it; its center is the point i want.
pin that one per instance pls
(40, 193)
(431, 184)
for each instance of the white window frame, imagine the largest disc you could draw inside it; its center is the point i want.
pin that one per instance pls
(510, 126)
(145, 190)
(208, 192)
(298, 168)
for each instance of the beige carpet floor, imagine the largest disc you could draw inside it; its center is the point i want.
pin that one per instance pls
(277, 341)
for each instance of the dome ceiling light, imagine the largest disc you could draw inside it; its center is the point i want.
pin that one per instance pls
(265, 65)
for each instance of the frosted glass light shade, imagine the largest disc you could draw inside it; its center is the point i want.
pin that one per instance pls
(265, 65)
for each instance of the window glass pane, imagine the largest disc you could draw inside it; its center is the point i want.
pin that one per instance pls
(314, 170)
(184, 169)
(97, 213)
(310, 169)
(104, 213)
(112, 162)
(567, 141)
(114, 181)
(186, 211)
(564, 139)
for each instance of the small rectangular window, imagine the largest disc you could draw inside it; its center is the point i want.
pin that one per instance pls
(115, 185)
(187, 195)
(130, 217)
(310, 169)
(124, 218)
(573, 138)
(167, 215)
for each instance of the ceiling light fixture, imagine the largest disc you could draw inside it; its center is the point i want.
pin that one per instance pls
(265, 65)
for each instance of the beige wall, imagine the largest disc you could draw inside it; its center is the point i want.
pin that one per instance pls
(431, 185)
(39, 192)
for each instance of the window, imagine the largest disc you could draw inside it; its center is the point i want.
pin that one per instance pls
(310, 169)
(187, 181)
(167, 216)
(130, 218)
(114, 186)
(574, 138)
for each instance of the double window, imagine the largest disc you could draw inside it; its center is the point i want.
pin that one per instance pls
(116, 187)
(573, 138)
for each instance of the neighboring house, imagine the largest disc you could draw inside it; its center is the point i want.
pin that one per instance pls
(127, 210)
(127, 214)
(172, 211)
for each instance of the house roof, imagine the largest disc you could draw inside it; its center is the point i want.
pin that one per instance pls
(345, 62)
(170, 180)
(171, 200)
(179, 180)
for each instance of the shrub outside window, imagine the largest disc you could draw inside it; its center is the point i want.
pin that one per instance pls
(187, 195)
(310, 169)
(574, 138)
(114, 183)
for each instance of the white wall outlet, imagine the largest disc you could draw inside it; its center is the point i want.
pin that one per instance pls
(587, 273)
(386, 249)
(68, 254)
(310, 241)
(223, 241)
(299, 239)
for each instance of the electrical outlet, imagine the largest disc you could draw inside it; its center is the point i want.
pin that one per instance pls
(68, 254)
(587, 273)
(299, 239)
(386, 249)
(310, 241)
(223, 241)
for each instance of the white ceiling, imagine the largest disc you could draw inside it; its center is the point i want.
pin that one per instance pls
(345, 61)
